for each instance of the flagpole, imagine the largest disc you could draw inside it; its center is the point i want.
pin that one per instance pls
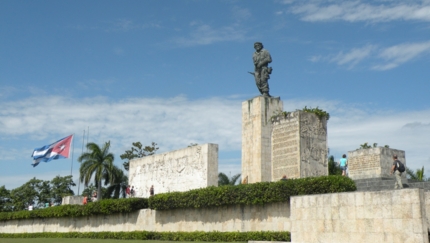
(79, 179)
(73, 151)
(88, 135)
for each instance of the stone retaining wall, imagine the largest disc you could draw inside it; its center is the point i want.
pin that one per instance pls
(271, 217)
(384, 216)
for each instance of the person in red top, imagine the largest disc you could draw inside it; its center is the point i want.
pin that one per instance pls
(127, 191)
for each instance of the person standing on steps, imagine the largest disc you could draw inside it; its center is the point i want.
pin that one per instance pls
(397, 169)
(343, 164)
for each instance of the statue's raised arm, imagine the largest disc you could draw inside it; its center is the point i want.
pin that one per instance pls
(262, 70)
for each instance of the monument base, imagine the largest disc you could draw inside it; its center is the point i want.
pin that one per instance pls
(373, 162)
(299, 145)
(256, 137)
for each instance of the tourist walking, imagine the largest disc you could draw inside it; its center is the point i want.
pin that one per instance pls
(343, 164)
(398, 168)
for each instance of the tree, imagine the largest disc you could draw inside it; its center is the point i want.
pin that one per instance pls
(333, 168)
(118, 185)
(29, 194)
(223, 179)
(418, 175)
(61, 187)
(96, 162)
(5, 201)
(137, 151)
(44, 189)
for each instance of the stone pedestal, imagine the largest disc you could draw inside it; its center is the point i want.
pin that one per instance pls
(256, 137)
(373, 162)
(299, 146)
(72, 200)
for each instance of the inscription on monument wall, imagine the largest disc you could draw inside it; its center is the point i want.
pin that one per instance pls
(285, 148)
(299, 146)
(180, 170)
(313, 139)
(364, 162)
(373, 162)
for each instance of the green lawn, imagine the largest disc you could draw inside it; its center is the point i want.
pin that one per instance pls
(80, 240)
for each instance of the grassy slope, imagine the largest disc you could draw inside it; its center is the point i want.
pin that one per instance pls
(68, 240)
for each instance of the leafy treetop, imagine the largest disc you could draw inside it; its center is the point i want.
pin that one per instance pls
(367, 146)
(137, 151)
(317, 111)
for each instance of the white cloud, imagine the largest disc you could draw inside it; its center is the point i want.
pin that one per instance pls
(241, 13)
(204, 34)
(176, 122)
(316, 58)
(354, 56)
(117, 25)
(386, 58)
(402, 53)
(358, 11)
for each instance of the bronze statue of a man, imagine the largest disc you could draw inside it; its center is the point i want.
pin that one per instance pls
(262, 72)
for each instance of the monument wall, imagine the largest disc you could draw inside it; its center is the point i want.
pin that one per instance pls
(373, 162)
(180, 170)
(299, 146)
(356, 217)
(78, 200)
(256, 137)
(382, 216)
(270, 217)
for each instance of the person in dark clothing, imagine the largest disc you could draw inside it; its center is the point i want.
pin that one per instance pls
(394, 169)
(151, 191)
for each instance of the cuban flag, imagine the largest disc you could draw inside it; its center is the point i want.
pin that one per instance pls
(57, 150)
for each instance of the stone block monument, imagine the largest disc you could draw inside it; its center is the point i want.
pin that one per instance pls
(256, 137)
(299, 145)
(373, 162)
(72, 200)
(180, 170)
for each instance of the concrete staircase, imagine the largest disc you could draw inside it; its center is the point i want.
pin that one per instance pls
(379, 184)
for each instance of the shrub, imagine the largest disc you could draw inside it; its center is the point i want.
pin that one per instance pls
(245, 194)
(102, 207)
(166, 236)
(251, 194)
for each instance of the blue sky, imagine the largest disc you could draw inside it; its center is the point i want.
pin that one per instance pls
(175, 72)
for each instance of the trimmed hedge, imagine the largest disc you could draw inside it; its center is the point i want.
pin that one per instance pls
(102, 207)
(168, 236)
(251, 194)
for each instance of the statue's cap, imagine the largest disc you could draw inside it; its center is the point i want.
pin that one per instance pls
(258, 43)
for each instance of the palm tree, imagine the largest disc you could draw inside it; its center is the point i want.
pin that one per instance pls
(224, 180)
(96, 162)
(418, 175)
(118, 184)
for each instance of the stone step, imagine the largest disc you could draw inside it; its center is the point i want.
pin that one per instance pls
(379, 184)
